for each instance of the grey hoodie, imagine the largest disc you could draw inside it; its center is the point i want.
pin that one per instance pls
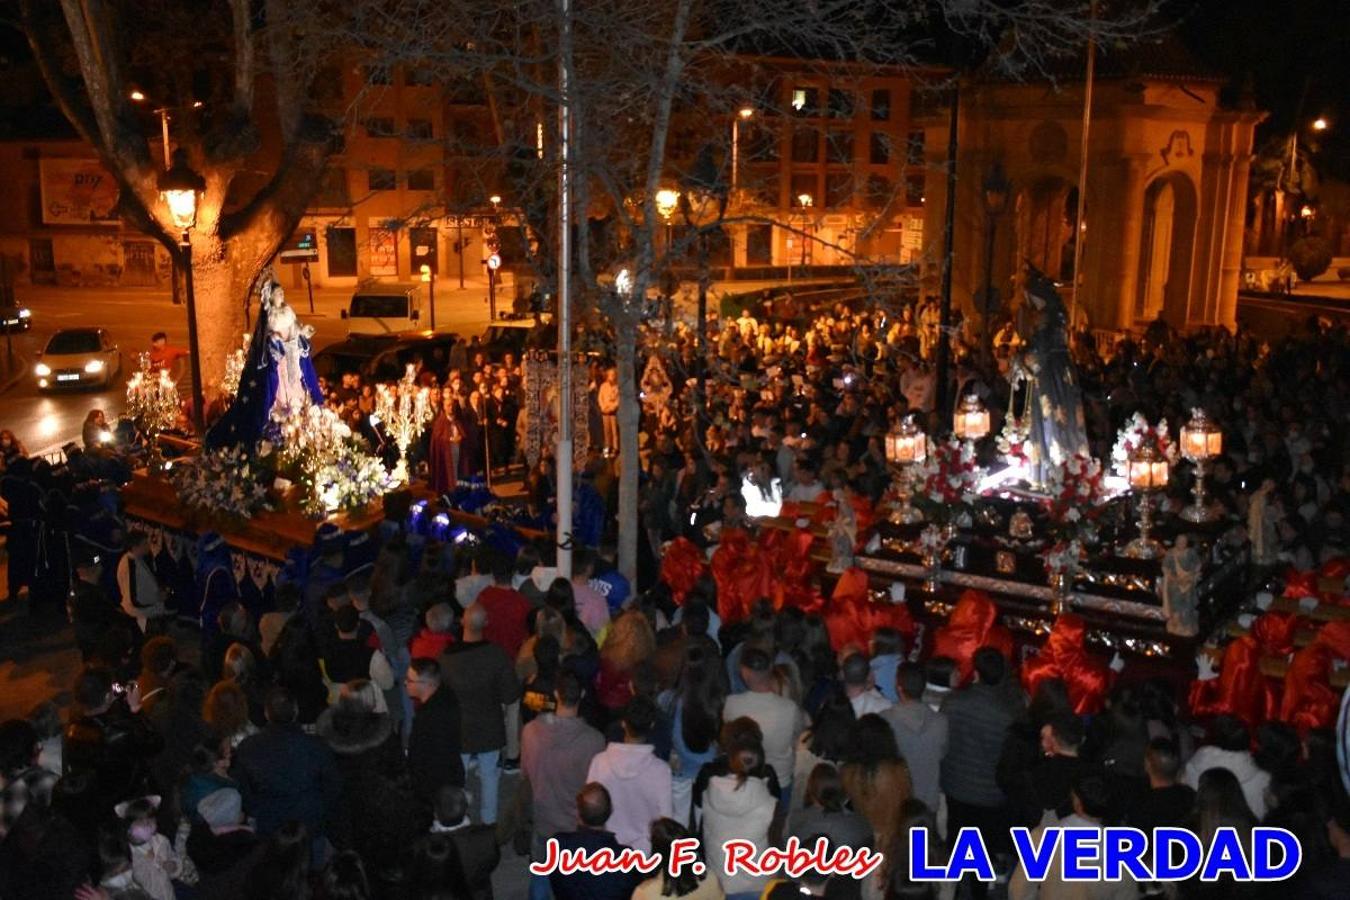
(922, 736)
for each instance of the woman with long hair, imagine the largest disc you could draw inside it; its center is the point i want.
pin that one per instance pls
(694, 706)
(894, 871)
(666, 832)
(876, 776)
(738, 806)
(630, 641)
(225, 709)
(1220, 803)
(826, 741)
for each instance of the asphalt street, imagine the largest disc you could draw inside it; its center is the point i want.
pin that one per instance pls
(44, 421)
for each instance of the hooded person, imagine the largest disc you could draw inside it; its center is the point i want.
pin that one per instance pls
(639, 783)
(738, 806)
(214, 581)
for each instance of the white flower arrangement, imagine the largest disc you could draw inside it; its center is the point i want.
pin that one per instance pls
(1014, 442)
(1138, 433)
(931, 541)
(1062, 559)
(349, 479)
(234, 370)
(225, 482)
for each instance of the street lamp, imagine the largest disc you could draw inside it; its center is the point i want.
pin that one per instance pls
(180, 186)
(996, 190)
(744, 114)
(805, 201)
(1320, 124)
(667, 200)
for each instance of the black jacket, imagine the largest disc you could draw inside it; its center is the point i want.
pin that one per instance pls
(584, 886)
(434, 746)
(286, 774)
(115, 747)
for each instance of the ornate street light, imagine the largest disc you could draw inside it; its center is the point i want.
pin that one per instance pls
(970, 423)
(1148, 472)
(1201, 441)
(906, 447)
(180, 187)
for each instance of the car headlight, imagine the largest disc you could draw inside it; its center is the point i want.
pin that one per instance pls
(25, 313)
(42, 370)
(93, 367)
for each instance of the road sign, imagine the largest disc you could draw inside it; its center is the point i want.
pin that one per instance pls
(303, 248)
(494, 262)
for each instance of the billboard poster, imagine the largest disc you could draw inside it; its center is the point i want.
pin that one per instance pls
(77, 192)
(383, 251)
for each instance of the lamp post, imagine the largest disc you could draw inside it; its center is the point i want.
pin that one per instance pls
(667, 199)
(804, 201)
(995, 197)
(1201, 441)
(180, 186)
(906, 447)
(744, 114)
(1148, 473)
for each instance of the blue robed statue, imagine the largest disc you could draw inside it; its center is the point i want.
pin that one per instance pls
(1056, 426)
(278, 377)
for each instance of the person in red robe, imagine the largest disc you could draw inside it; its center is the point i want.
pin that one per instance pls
(445, 438)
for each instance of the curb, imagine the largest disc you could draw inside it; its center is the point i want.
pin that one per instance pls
(24, 363)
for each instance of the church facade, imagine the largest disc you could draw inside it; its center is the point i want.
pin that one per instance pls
(1166, 195)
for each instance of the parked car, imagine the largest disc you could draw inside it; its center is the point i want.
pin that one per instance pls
(15, 318)
(78, 357)
(516, 336)
(384, 357)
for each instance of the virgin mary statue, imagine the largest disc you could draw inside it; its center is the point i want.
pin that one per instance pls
(1057, 429)
(278, 377)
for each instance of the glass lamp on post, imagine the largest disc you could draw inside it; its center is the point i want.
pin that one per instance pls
(181, 187)
(970, 423)
(1148, 472)
(906, 447)
(1201, 441)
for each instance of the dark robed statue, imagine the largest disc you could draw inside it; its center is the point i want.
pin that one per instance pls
(1056, 424)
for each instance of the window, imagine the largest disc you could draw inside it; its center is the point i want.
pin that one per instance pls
(804, 184)
(805, 145)
(380, 127)
(758, 143)
(805, 102)
(421, 180)
(341, 252)
(838, 190)
(376, 74)
(839, 147)
(881, 105)
(381, 179)
(914, 149)
(419, 76)
(878, 191)
(914, 188)
(879, 148)
(420, 130)
(841, 103)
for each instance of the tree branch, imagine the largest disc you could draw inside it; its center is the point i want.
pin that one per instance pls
(41, 28)
(243, 57)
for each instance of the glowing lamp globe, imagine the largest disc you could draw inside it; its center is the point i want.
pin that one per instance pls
(971, 421)
(1201, 438)
(666, 201)
(906, 444)
(179, 185)
(1147, 470)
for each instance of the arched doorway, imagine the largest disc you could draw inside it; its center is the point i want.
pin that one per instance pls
(1046, 212)
(1165, 250)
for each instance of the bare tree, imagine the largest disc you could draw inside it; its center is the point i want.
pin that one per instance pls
(648, 79)
(235, 77)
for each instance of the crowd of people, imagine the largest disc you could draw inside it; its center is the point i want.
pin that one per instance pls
(392, 731)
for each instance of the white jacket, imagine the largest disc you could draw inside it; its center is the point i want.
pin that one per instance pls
(736, 811)
(1253, 778)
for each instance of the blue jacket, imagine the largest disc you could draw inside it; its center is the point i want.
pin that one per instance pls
(286, 774)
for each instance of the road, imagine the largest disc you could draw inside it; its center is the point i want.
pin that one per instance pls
(46, 421)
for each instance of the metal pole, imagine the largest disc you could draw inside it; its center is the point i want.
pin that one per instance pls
(702, 324)
(431, 298)
(492, 294)
(194, 351)
(460, 227)
(164, 130)
(1083, 170)
(944, 348)
(735, 152)
(987, 307)
(563, 454)
(309, 286)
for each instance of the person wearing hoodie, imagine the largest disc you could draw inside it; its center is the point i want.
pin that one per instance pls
(1229, 748)
(886, 659)
(920, 733)
(638, 782)
(738, 806)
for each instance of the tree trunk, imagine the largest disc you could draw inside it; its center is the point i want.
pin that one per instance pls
(222, 276)
(625, 334)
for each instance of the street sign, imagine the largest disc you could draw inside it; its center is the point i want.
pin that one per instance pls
(424, 249)
(303, 248)
(494, 262)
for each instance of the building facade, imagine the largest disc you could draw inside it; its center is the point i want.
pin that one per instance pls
(1167, 176)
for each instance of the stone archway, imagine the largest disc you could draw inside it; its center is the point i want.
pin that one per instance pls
(1165, 250)
(1045, 214)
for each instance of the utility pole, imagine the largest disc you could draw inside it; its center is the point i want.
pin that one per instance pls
(944, 347)
(563, 454)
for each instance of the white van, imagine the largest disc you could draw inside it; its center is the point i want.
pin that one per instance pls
(389, 308)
